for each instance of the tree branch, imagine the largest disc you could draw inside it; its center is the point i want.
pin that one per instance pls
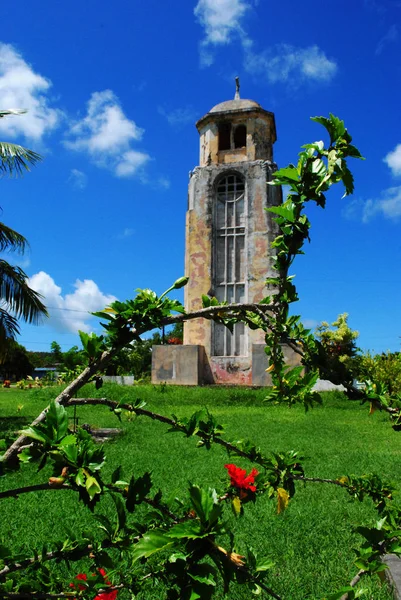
(353, 583)
(155, 416)
(10, 455)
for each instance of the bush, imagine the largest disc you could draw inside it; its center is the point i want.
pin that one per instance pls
(382, 368)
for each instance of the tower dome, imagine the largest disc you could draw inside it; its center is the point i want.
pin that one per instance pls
(235, 131)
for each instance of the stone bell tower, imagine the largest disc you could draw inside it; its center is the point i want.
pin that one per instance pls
(228, 231)
(228, 244)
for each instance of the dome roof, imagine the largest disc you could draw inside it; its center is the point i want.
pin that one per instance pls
(236, 104)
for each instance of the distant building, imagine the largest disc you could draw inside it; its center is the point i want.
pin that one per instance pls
(228, 246)
(43, 371)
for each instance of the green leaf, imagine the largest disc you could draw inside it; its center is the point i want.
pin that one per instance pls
(334, 126)
(190, 530)
(344, 590)
(286, 211)
(152, 542)
(138, 490)
(92, 486)
(264, 564)
(35, 434)
(236, 506)
(68, 440)
(57, 418)
(116, 475)
(121, 514)
(70, 452)
(205, 504)
(289, 173)
(80, 478)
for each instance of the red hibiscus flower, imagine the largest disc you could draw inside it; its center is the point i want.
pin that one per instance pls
(112, 595)
(240, 479)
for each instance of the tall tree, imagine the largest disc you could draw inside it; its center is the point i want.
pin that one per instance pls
(17, 299)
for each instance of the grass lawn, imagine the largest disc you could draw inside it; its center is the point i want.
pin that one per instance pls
(310, 543)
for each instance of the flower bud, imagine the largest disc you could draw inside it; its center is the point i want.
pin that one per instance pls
(181, 282)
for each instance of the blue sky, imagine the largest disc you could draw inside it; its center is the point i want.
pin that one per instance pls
(113, 92)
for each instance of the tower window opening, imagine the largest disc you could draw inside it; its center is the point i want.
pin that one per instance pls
(240, 136)
(225, 136)
(229, 270)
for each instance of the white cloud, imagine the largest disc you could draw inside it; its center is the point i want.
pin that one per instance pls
(310, 323)
(78, 179)
(127, 232)
(387, 206)
(393, 160)
(106, 134)
(21, 87)
(178, 117)
(287, 64)
(221, 20)
(390, 37)
(70, 312)
(163, 183)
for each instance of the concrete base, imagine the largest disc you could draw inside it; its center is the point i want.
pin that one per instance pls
(120, 379)
(394, 573)
(177, 365)
(189, 365)
(260, 363)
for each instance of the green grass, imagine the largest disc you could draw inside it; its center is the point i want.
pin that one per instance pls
(311, 542)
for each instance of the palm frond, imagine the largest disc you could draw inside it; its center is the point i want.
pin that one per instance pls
(15, 159)
(9, 329)
(12, 111)
(11, 240)
(19, 298)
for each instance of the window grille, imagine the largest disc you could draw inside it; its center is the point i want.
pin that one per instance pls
(229, 272)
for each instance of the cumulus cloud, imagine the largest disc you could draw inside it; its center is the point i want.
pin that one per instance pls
(388, 205)
(21, 87)
(70, 312)
(393, 160)
(221, 20)
(288, 64)
(78, 179)
(106, 135)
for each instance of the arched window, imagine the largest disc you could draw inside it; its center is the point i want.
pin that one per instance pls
(229, 269)
(240, 136)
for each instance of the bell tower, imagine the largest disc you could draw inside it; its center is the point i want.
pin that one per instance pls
(229, 233)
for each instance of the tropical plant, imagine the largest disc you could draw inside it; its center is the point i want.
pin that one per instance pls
(17, 299)
(337, 350)
(383, 369)
(187, 545)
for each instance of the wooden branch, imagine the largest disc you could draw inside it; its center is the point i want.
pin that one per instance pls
(319, 480)
(43, 595)
(23, 564)
(155, 416)
(353, 583)
(33, 488)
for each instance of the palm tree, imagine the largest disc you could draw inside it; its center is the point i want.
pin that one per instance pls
(17, 299)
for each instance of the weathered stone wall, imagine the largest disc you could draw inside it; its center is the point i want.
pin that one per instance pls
(178, 365)
(260, 232)
(261, 135)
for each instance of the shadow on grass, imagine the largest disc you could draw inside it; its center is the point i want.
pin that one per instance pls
(11, 425)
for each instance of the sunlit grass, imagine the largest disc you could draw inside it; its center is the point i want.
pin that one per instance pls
(311, 543)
